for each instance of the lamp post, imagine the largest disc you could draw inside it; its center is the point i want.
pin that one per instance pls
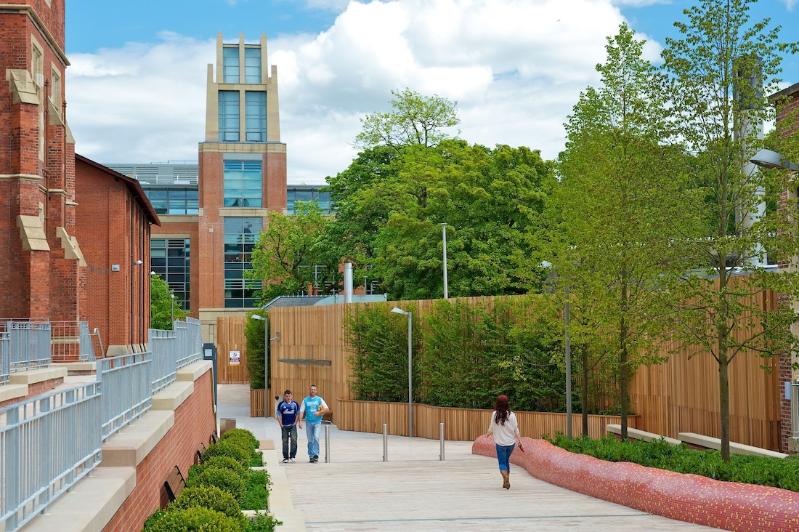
(398, 310)
(567, 354)
(444, 240)
(172, 310)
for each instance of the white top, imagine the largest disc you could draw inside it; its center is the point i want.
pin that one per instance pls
(504, 434)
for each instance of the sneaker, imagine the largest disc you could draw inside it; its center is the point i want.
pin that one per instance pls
(293, 460)
(285, 461)
(311, 460)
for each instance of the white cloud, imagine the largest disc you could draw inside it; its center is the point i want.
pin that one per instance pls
(331, 5)
(789, 4)
(515, 67)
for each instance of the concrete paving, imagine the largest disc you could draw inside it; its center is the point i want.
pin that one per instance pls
(416, 491)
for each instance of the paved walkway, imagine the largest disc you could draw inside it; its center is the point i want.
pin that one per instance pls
(415, 491)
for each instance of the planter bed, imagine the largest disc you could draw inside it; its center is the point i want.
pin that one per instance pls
(687, 497)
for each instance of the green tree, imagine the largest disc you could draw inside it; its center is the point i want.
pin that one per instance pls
(161, 301)
(413, 119)
(293, 254)
(256, 358)
(624, 209)
(720, 67)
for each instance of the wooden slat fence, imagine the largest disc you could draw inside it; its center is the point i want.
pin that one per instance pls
(230, 337)
(680, 395)
(460, 423)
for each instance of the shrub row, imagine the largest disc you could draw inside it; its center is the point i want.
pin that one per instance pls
(465, 353)
(775, 472)
(218, 489)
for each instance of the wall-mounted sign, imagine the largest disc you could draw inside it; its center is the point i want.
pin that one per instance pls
(235, 358)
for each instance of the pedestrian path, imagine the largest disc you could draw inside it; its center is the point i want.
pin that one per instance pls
(415, 491)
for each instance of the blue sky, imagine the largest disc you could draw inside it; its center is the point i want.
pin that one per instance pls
(515, 67)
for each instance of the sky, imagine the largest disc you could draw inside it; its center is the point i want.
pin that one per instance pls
(136, 86)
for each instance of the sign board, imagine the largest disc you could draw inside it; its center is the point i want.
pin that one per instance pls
(235, 358)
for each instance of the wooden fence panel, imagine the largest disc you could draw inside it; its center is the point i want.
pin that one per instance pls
(680, 395)
(230, 337)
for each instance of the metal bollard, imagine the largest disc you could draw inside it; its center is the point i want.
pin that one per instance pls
(385, 442)
(441, 441)
(327, 443)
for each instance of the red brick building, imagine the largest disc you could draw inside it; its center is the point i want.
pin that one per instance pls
(44, 228)
(113, 223)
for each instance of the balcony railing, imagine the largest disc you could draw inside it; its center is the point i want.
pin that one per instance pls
(28, 345)
(49, 442)
(70, 340)
(795, 409)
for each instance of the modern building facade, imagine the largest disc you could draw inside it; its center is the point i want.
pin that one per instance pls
(213, 211)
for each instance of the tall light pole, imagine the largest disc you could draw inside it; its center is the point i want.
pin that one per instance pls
(172, 310)
(567, 354)
(398, 310)
(444, 240)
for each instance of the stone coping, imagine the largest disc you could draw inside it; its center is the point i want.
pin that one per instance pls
(81, 367)
(281, 505)
(171, 397)
(691, 498)
(35, 376)
(90, 504)
(194, 371)
(12, 391)
(131, 445)
(638, 434)
(700, 440)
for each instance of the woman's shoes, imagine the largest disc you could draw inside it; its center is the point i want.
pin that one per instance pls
(506, 480)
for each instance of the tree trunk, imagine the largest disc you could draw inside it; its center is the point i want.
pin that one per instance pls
(585, 390)
(724, 404)
(623, 356)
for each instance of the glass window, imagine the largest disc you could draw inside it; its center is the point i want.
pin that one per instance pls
(322, 199)
(169, 258)
(229, 116)
(252, 65)
(243, 184)
(230, 64)
(240, 236)
(255, 112)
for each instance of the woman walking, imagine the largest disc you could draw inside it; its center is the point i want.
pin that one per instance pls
(505, 430)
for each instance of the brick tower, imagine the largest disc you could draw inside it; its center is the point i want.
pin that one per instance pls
(42, 270)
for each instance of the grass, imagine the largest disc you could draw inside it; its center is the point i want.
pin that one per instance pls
(254, 497)
(776, 472)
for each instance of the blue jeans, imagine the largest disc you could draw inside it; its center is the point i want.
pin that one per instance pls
(312, 430)
(503, 456)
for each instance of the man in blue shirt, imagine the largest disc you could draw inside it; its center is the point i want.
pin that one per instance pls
(312, 409)
(286, 414)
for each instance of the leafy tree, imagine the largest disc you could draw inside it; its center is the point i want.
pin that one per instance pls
(256, 359)
(161, 301)
(720, 68)
(414, 119)
(624, 210)
(293, 254)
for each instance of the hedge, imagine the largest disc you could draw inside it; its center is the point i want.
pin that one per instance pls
(775, 472)
(467, 353)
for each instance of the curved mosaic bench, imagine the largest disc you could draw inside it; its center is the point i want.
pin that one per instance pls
(691, 498)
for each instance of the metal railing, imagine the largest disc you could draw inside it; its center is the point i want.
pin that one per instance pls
(795, 409)
(28, 344)
(174, 349)
(70, 341)
(126, 381)
(5, 360)
(47, 444)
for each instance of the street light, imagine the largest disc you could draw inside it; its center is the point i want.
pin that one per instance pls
(567, 355)
(397, 310)
(444, 239)
(772, 159)
(172, 295)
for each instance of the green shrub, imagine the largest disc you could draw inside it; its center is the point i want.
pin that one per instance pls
(765, 471)
(222, 478)
(244, 437)
(255, 492)
(209, 497)
(192, 520)
(263, 523)
(254, 333)
(231, 449)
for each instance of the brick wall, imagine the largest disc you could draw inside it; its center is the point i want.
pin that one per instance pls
(194, 423)
(113, 228)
